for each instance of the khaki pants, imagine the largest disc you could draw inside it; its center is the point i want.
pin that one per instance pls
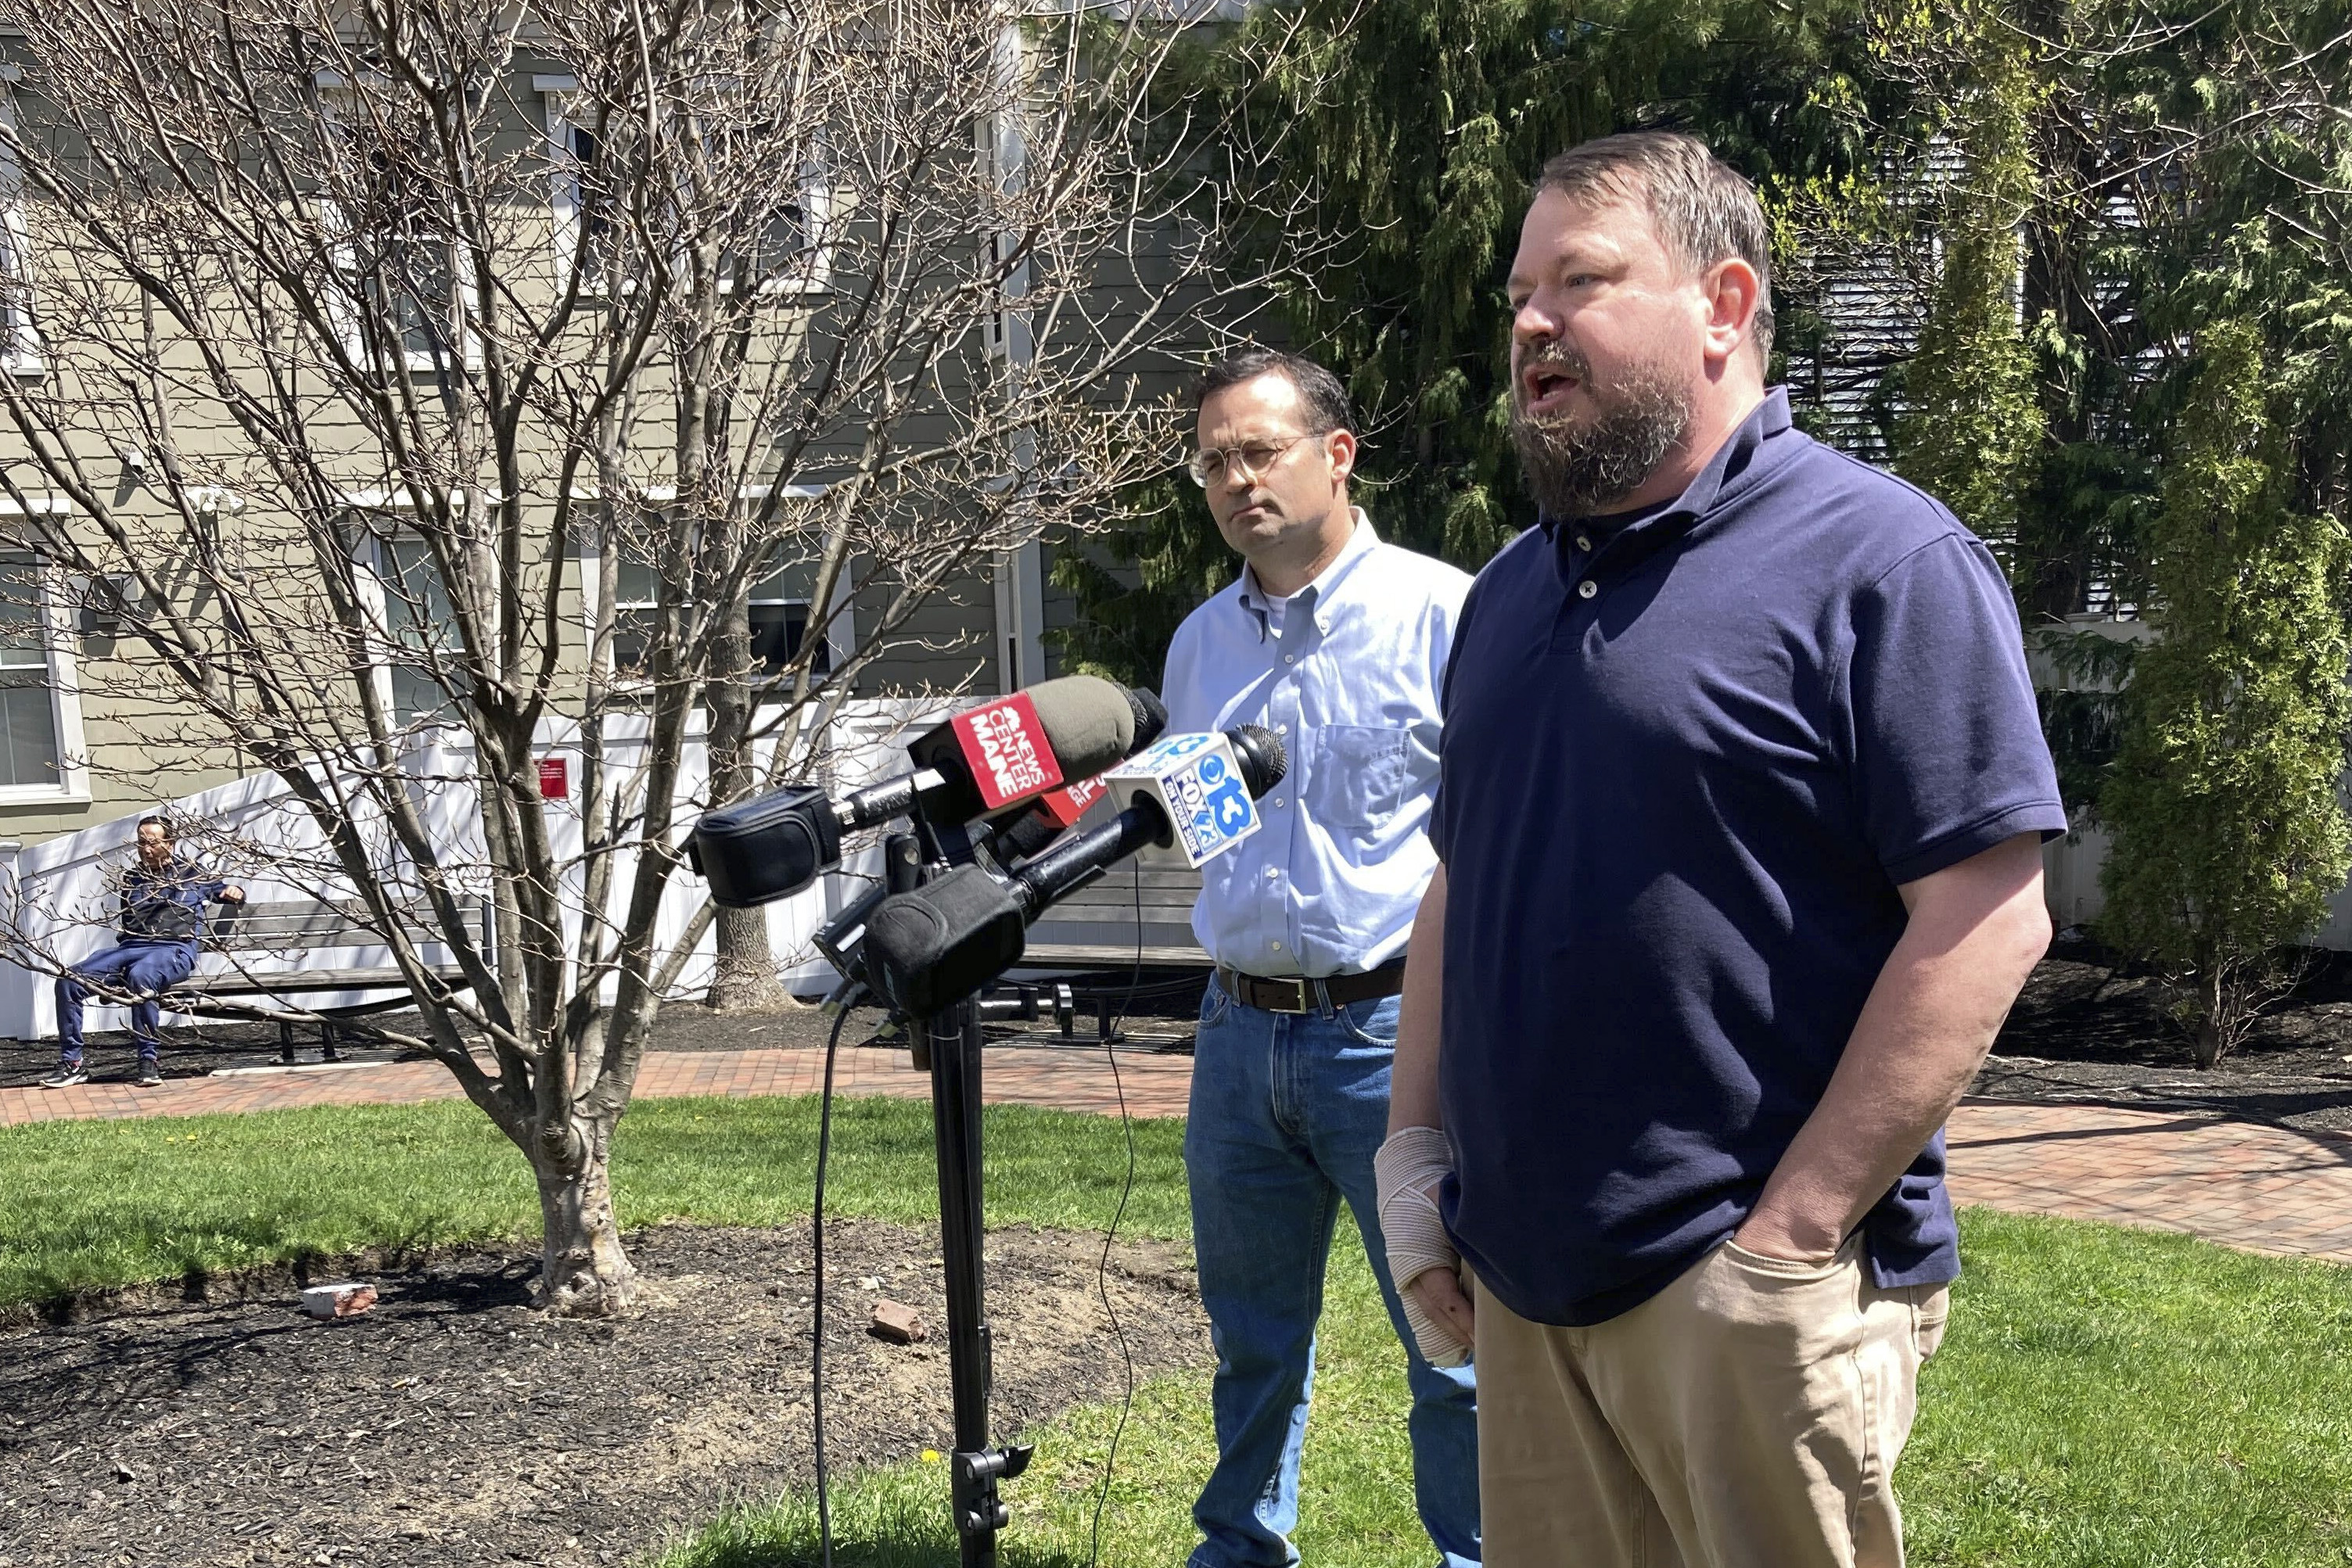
(1748, 1416)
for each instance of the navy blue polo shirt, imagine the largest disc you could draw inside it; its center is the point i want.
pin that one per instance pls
(1685, 766)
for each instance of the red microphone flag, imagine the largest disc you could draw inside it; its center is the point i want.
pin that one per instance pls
(1006, 748)
(1064, 806)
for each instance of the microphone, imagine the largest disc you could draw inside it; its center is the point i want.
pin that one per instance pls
(1003, 753)
(1184, 792)
(930, 948)
(1017, 834)
(1007, 752)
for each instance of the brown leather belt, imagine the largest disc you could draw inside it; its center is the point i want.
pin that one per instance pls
(1297, 994)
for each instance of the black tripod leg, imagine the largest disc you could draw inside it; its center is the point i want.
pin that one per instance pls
(954, 1038)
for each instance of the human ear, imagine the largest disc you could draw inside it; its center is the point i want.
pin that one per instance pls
(1340, 446)
(1732, 292)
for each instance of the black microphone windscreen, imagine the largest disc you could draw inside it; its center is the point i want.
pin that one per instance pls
(1150, 715)
(926, 949)
(1263, 760)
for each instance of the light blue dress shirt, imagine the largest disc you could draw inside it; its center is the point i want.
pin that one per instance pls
(1328, 886)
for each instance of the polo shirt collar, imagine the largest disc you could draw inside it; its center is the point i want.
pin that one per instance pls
(1361, 541)
(1728, 472)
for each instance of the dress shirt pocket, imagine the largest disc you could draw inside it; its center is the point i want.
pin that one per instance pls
(1360, 772)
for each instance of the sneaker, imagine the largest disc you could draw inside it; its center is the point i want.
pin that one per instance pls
(150, 1075)
(68, 1074)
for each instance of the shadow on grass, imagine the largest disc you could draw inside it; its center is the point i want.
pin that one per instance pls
(886, 1519)
(61, 1295)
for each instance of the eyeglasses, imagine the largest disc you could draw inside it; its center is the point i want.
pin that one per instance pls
(1208, 465)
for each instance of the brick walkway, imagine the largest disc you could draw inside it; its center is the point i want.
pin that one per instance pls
(1074, 1080)
(2260, 1187)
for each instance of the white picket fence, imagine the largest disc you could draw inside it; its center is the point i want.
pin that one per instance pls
(55, 897)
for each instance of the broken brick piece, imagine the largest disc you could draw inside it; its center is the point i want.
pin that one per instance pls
(344, 1299)
(897, 1322)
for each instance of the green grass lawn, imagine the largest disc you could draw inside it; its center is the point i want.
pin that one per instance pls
(2107, 1397)
(87, 1204)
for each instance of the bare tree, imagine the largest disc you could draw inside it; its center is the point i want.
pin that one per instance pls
(493, 358)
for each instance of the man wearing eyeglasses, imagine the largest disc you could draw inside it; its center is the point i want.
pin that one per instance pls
(1337, 643)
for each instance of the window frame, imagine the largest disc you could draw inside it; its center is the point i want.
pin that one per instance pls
(343, 255)
(61, 664)
(23, 352)
(566, 203)
(369, 541)
(840, 631)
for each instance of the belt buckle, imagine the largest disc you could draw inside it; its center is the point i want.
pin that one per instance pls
(1302, 992)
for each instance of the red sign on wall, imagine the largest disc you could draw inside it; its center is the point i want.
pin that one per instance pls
(555, 777)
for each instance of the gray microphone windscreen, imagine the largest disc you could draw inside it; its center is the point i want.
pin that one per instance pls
(1088, 721)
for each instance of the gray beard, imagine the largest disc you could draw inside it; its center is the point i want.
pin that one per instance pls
(1575, 471)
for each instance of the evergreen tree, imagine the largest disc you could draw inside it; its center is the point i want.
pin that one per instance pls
(2230, 834)
(1417, 126)
(1972, 431)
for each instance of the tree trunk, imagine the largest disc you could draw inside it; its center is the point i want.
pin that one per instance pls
(745, 980)
(2212, 1037)
(584, 1271)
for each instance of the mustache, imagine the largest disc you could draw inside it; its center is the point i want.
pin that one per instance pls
(1556, 357)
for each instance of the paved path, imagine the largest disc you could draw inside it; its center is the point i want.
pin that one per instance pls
(1075, 1079)
(2260, 1187)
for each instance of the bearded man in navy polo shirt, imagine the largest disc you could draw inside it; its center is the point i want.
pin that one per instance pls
(1740, 814)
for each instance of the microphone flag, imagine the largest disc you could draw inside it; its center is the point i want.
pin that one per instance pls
(1064, 806)
(1197, 780)
(1004, 745)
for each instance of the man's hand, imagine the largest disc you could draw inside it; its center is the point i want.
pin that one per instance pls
(1440, 1295)
(232, 895)
(1408, 1170)
(1975, 932)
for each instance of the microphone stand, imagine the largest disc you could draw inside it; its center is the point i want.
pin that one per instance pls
(949, 1043)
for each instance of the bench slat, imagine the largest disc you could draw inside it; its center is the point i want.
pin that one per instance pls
(295, 982)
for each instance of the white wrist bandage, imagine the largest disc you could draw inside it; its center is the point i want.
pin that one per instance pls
(1409, 1170)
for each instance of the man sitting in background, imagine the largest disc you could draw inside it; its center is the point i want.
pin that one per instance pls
(163, 918)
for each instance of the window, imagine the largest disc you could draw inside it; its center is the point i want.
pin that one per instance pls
(20, 335)
(28, 724)
(423, 624)
(779, 621)
(422, 660)
(787, 252)
(575, 200)
(398, 265)
(40, 700)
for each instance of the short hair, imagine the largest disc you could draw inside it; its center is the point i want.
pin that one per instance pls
(1703, 208)
(1320, 394)
(163, 823)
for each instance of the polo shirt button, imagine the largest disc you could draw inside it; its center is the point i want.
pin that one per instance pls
(1277, 946)
(1290, 658)
(1582, 542)
(1587, 588)
(1282, 730)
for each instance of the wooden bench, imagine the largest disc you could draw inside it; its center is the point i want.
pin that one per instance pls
(1095, 927)
(251, 935)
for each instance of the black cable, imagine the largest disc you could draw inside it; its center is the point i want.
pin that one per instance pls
(1102, 1265)
(816, 1225)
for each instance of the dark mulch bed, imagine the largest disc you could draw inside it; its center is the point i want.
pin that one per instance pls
(2089, 1028)
(454, 1424)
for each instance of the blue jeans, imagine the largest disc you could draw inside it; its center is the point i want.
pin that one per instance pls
(1287, 1110)
(144, 967)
